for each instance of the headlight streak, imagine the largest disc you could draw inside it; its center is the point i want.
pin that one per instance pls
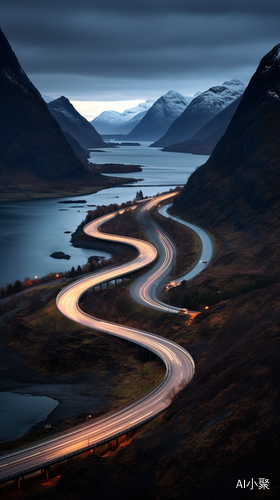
(179, 364)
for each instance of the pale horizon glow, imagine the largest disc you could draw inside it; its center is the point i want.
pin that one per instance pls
(92, 109)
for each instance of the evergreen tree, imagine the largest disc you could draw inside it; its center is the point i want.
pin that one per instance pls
(17, 286)
(139, 195)
(9, 290)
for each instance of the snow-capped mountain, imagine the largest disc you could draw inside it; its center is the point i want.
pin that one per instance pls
(113, 122)
(202, 109)
(75, 124)
(159, 117)
(240, 182)
(204, 141)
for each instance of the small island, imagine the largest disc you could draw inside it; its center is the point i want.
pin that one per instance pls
(60, 255)
(130, 144)
(72, 201)
(115, 168)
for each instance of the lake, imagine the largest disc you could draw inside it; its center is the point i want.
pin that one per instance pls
(32, 230)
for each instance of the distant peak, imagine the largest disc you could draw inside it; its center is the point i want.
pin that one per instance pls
(62, 99)
(234, 81)
(172, 92)
(271, 60)
(269, 69)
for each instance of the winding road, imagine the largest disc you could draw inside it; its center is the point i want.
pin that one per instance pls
(179, 364)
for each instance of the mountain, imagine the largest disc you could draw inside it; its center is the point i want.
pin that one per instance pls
(80, 152)
(11, 69)
(74, 124)
(202, 109)
(47, 98)
(159, 117)
(204, 141)
(220, 435)
(241, 179)
(33, 150)
(112, 122)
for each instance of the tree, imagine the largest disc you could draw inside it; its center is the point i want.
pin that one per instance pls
(72, 272)
(139, 195)
(17, 286)
(9, 290)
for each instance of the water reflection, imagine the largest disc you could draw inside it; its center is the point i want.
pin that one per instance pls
(32, 230)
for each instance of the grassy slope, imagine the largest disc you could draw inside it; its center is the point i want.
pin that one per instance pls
(224, 426)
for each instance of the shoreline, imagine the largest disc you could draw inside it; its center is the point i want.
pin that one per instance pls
(86, 190)
(77, 394)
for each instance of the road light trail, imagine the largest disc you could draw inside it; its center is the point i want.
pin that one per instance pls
(207, 247)
(144, 288)
(178, 362)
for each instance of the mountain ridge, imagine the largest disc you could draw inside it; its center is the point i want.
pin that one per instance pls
(200, 111)
(75, 124)
(204, 141)
(35, 157)
(113, 122)
(250, 147)
(159, 117)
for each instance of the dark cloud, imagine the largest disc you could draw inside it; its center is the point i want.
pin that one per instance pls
(146, 7)
(95, 47)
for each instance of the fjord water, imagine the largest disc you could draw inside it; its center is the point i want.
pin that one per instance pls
(32, 230)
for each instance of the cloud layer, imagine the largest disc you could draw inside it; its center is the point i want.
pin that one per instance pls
(103, 49)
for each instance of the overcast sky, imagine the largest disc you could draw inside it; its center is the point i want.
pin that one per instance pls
(111, 50)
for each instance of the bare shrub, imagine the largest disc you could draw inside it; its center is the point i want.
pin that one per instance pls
(174, 391)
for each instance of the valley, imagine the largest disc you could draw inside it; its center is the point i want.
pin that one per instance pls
(218, 331)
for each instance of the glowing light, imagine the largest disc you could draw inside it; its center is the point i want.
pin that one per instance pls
(91, 109)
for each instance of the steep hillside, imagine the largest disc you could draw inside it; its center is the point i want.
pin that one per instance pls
(220, 436)
(80, 153)
(34, 154)
(159, 117)
(202, 109)
(223, 429)
(204, 141)
(74, 124)
(240, 183)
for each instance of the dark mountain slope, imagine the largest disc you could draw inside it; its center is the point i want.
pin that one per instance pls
(81, 153)
(241, 180)
(224, 427)
(34, 154)
(9, 60)
(74, 124)
(204, 141)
